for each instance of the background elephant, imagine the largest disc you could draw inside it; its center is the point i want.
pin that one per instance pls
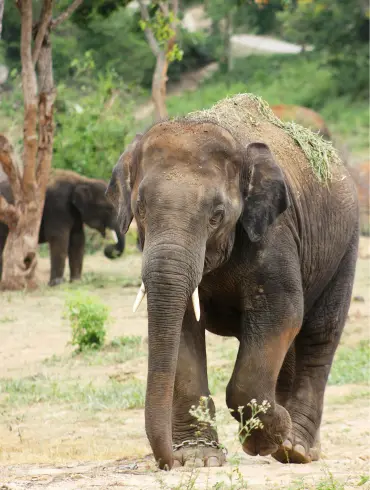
(304, 116)
(258, 237)
(71, 201)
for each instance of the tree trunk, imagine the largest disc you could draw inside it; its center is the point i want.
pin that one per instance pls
(159, 87)
(20, 252)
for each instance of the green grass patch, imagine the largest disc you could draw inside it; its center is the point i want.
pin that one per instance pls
(101, 281)
(121, 349)
(7, 319)
(118, 351)
(351, 365)
(82, 396)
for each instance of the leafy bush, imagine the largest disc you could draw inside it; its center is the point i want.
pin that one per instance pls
(87, 316)
(337, 29)
(92, 129)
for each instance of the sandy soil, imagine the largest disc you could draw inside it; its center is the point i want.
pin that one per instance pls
(61, 445)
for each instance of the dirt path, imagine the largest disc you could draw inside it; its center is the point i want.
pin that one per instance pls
(65, 421)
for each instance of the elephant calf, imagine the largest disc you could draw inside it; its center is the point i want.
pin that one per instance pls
(71, 201)
(245, 233)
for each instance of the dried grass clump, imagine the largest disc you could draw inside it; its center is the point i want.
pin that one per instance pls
(248, 116)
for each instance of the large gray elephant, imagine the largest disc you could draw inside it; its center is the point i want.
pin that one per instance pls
(71, 201)
(257, 236)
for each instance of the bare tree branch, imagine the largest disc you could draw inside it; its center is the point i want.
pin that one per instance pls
(1, 15)
(42, 27)
(67, 13)
(9, 165)
(29, 85)
(148, 32)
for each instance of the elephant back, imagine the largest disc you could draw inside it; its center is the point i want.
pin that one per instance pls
(301, 153)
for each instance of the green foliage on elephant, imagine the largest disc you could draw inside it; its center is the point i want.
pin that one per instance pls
(87, 317)
(337, 29)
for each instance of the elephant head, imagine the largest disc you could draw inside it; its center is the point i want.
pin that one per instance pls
(98, 213)
(189, 185)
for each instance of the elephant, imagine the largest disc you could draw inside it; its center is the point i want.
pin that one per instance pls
(242, 236)
(71, 201)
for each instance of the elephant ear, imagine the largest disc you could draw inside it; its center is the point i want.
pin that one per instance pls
(82, 197)
(120, 185)
(264, 190)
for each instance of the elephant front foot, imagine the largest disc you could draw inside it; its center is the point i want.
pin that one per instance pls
(297, 451)
(198, 453)
(56, 281)
(75, 278)
(276, 427)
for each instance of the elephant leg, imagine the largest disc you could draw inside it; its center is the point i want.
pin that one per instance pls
(3, 236)
(76, 249)
(58, 246)
(315, 348)
(191, 383)
(266, 338)
(286, 377)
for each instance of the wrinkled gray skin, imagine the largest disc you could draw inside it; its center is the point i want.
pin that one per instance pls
(274, 257)
(71, 201)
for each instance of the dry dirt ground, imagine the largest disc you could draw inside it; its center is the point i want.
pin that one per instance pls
(66, 421)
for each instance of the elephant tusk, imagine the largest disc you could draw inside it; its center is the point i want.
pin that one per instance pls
(139, 298)
(114, 236)
(196, 305)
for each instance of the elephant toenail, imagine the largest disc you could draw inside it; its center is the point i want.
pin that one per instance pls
(176, 464)
(249, 452)
(287, 445)
(194, 463)
(212, 461)
(267, 451)
(300, 450)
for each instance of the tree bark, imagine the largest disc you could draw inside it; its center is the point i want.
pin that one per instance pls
(23, 217)
(159, 82)
(159, 85)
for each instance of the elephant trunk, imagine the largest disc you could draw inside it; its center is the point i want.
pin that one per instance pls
(115, 250)
(170, 273)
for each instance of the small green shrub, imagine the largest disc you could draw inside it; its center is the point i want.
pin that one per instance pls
(87, 317)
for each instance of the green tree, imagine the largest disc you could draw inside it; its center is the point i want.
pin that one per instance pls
(340, 31)
(159, 25)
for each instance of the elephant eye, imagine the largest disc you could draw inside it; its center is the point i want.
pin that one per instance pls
(217, 216)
